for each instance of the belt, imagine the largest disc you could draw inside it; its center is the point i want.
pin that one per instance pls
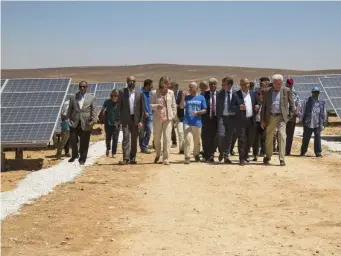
(275, 114)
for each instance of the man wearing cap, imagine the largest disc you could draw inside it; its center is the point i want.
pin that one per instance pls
(277, 109)
(313, 116)
(291, 124)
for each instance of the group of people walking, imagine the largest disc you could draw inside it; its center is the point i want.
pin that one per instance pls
(200, 117)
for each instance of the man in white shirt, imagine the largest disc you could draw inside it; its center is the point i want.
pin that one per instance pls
(209, 121)
(245, 105)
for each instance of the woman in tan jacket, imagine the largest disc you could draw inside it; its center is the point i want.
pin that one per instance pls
(164, 111)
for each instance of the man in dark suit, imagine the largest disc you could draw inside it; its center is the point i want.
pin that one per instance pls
(277, 109)
(225, 119)
(210, 124)
(130, 112)
(245, 105)
(82, 117)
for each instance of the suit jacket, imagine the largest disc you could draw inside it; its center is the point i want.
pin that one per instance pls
(207, 96)
(237, 100)
(87, 115)
(180, 111)
(286, 104)
(123, 108)
(171, 105)
(220, 106)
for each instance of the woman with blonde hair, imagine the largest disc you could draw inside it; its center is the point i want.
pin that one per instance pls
(164, 111)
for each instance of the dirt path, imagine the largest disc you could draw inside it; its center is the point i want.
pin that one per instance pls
(199, 209)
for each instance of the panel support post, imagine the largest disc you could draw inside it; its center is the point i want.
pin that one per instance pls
(19, 153)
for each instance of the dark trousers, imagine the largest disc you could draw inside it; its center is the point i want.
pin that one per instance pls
(84, 140)
(306, 138)
(260, 136)
(67, 147)
(129, 143)
(290, 129)
(173, 136)
(225, 134)
(234, 140)
(209, 136)
(111, 137)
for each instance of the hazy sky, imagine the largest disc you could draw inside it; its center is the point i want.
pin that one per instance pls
(295, 35)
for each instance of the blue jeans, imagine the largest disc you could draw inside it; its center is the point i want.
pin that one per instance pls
(307, 132)
(145, 133)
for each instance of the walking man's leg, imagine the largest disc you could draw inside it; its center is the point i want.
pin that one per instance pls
(305, 140)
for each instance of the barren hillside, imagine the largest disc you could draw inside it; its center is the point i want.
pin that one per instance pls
(181, 73)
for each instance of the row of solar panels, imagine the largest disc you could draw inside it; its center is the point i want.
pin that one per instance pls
(330, 86)
(30, 108)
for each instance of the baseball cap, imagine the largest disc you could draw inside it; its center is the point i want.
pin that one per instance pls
(290, 81)
(315, 89)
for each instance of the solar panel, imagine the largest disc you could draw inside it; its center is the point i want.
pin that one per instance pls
(331, 82)
(3, 81)
(338, 112)
(306, 79)
(105, 86)
(306, 87)
(30, 108)
(333, 92)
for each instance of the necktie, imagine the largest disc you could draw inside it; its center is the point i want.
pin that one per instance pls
(228, 101)
(213, 107)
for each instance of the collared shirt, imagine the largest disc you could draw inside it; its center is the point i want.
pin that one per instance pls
(131, 101)
(248, 103)
(276, 99)
(227, 108)
(213, 95)
(80, 99)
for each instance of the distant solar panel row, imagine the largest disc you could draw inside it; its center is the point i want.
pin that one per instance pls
(29, 109)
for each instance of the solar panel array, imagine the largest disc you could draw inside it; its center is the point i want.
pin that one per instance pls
(102, 93)
(30, 108)
(3, 81)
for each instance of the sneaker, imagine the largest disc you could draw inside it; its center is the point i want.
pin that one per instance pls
(187, 161)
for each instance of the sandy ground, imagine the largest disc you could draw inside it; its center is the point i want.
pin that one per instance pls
(199, 209)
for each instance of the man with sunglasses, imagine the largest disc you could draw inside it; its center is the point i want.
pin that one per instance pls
(130, 113)
(82, 117)
(313, 116)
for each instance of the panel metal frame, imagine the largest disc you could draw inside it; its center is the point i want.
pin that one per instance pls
(334, 108)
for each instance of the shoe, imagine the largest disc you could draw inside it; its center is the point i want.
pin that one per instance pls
(166, 162)
(174, 145)
(302, 154)
(227, 160)
(156, 160)
(72, 159)
(211, 160)
(133, 161)
(145, 151)
(266, 160)
(181, 152)
(81, 162)
(67, 155)
(58, 156)
(204, 160)
(281, 163)
(107, 153)
(247, 160)
(220, 158)
(187, 161)
(124, 162)
(232, 153)
(287, 154)
(242, 162)
(318, 155)
(255, 159)
(197, 158)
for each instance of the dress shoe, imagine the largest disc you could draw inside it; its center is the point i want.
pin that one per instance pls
(211, 160)
(133, 161)
(156, 160)
(281, 163)
(255, 159)
(72, 159)
(67, 155)
(318, 155)
(197, 158)
(242, 162)
(124, 162)
(232, 153)
(266, 160)
(81, 162)
(220, 158)
(302, 154)
(227, 160)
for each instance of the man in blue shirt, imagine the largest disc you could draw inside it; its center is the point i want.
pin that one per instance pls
(313, 116)
(146, 130)
(195, 106)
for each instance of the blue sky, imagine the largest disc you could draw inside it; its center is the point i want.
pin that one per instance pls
(295, 35)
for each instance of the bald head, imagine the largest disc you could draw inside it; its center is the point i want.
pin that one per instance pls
(193, 88)
(131, 82)
(244, 84)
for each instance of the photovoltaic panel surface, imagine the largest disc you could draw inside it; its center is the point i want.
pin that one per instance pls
(3, 82)
(102, 93)
(30, 108)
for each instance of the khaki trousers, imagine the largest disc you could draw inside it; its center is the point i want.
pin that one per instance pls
(162, 129)
(195, 132)
(179, 129)
(276, 122)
